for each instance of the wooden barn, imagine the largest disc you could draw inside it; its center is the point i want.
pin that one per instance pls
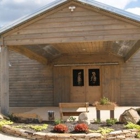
(70, 51)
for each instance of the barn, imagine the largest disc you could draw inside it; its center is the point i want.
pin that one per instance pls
(70, 51)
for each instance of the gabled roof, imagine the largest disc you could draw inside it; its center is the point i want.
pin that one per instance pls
(51, 5)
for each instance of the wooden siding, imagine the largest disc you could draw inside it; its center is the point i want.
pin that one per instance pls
(82, 25)
(31, 83)
(111, 82)
(61, 76)
(130, 81)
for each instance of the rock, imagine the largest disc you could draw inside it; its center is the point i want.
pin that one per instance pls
(138, 110)
(129, 115)
(1, 117)
(83, 118)
(4, 117)
(26, 118)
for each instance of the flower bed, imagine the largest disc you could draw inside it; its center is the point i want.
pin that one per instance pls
(49, 133)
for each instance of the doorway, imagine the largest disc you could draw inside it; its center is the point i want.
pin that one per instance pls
(85, 84)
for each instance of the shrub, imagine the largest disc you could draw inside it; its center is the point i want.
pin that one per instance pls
(81, 127)
(104, 101)
(97, 121)
(138, 135)
(34, 127)
(5, 122)
(111, 121)
(72, 119)
(131, 125)
(61, 128)
(58, 122)
(102, 130)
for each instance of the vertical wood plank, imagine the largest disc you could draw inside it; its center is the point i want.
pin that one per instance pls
(57, 87)
(4, 80)
(66, 84)
(78, 92)
(111, 82)
(116, 84)
(61, 84)
(93, 93)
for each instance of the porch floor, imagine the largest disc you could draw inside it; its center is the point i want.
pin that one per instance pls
(43, 112)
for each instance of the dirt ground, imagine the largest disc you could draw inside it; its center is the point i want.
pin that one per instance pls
(71, 125)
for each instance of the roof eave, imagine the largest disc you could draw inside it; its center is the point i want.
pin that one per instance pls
(111, 9)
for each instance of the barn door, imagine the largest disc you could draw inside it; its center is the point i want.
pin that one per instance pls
(85, 84)
(93, 84)
(78, 84)
(61, 78)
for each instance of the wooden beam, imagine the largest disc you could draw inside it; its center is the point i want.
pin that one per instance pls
(88, 59)
(4, 80)
(134, 49)
(30, 54)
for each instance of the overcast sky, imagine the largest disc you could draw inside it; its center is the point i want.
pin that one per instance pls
(11, 10)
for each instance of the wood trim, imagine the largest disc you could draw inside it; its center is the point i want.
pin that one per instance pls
(4, 80)
(88, 58)
(29, 54)
(44, 33)
(135, 48)
(74, 39)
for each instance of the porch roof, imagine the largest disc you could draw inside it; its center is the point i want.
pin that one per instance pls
(122, 47)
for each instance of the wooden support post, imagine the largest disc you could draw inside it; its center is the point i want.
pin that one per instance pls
(4, 80)
(98, 114)
(112, 114)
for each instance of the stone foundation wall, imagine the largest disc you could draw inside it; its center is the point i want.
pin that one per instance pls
(116, 135)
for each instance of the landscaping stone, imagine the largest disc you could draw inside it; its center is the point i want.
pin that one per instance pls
(94, 135)
(4, 117)
(116, 132)
(1, 116)
(126, 131)
(83, 118)
(26, 118)
(116, 135)
(129, 115)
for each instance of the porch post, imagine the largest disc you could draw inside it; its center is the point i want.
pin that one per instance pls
(4, 80)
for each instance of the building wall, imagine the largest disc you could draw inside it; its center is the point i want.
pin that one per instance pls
(130, 81)
(30, 82)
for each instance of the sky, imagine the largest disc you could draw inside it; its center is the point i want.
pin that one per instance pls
(11, 10)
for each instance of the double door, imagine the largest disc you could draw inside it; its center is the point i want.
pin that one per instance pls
(85, 84)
